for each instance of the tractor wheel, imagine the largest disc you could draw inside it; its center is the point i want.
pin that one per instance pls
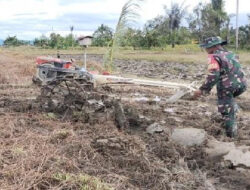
(60, 95)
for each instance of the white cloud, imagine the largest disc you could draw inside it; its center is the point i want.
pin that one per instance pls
(17, 12)
(105, 7)
(13, 9)
(50, 9)
(244, 6)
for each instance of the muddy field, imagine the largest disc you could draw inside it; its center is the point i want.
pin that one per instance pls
(159, 70)
(121, 139)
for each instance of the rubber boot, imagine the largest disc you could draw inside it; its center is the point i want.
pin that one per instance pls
(236, 107)
(232, 131)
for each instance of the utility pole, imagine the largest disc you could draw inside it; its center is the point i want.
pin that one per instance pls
(237, 27)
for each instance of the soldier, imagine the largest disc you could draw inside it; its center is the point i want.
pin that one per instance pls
(224, 71)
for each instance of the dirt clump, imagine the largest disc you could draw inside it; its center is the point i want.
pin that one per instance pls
(97, 138)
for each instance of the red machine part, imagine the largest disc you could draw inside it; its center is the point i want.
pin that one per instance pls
(67, 65)
(46, 60)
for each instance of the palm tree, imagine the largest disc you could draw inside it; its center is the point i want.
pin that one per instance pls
(175, 14)
(220, 15)
(217, 4)
(228, 26)
(71, 31)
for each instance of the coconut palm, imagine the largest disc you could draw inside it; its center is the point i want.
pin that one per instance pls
(175, 14)
(71, 31)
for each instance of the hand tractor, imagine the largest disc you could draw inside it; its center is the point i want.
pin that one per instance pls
(51, 69)
(60, 78)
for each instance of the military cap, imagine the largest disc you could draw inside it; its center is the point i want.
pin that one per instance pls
(212, 41)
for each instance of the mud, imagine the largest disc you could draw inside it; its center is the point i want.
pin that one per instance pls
(149, 69)
(103, 133)
(159, 70)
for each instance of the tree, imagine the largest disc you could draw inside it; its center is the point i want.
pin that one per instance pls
(102, 36)
(220, 16)
(43, 42)
(138, 39)
(209, 20)
(128, 37)
(156, 32)
(133, 37)
(69, 41)
(72, 37)
(217, 4)
(175, 14)
(184, 36)
(244, 36)
(195, 22)
(56, 41)
(13, 41)
(213, 20)
(71, 29)
(228, 27)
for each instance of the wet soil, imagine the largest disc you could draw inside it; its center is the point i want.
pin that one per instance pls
(150, 69)
(107, 138)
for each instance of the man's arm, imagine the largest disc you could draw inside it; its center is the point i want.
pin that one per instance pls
(211, 80)
(213, 76)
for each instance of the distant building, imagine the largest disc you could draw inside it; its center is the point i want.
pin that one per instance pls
(85, 40)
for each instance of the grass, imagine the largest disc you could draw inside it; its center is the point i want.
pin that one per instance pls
(84, 181)
(34, 51)
(180, 54)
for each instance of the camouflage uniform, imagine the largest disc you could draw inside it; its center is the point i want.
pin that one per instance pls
(225, 71)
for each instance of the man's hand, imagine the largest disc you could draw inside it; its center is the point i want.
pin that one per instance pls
(196, 94)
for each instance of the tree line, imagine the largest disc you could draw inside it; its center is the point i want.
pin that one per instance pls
(206, 20)
(55, 41)
(175, 26)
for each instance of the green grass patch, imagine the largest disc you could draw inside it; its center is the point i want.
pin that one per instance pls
(83, 181)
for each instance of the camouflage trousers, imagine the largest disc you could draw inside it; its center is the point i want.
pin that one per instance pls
(227, 105)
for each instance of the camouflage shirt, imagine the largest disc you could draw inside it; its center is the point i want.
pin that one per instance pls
(225, 71)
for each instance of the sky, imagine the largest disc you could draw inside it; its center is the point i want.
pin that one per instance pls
(28, 19)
